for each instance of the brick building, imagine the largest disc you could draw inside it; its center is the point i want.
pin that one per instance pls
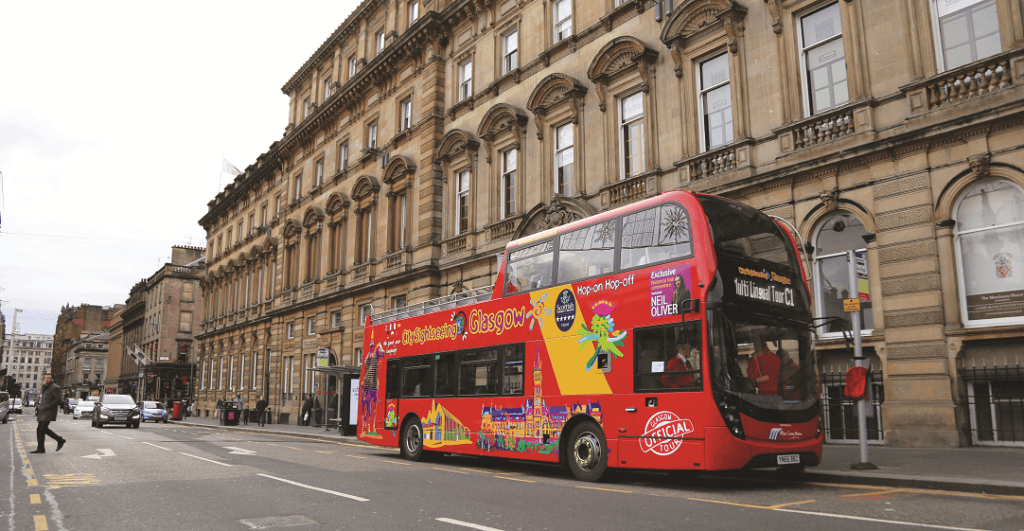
(424, 135)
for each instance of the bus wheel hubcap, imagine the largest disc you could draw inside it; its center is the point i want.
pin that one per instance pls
(412, 440)
(588, 451)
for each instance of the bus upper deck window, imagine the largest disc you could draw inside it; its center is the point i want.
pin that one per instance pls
(587, 252)
(655, 235)
(530, 268)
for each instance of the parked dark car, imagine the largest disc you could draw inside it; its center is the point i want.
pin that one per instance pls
(116, 409)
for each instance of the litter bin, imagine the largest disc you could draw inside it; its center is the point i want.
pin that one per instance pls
(229, 414)
(176, 411)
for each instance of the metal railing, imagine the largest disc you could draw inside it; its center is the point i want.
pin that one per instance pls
(995, 399)
(840, 412)
(446, 302)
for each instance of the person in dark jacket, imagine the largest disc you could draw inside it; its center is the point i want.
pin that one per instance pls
(307, 407)
(261, 410)
(46, 412)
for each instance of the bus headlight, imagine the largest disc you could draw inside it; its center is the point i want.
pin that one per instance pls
(728, 406)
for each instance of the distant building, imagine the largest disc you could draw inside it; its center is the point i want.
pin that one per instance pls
(27, 358)
(85, 365)
(73, 322)
(159, 320)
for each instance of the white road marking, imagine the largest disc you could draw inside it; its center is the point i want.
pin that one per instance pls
(240, 451)
(336, 493)
(467, 524)
(155, 446)
(205, 459)
(104, 452)
(879, 520)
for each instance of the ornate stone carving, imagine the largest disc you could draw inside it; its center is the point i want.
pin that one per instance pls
(830, 199)
(552, 91)
(979, 164)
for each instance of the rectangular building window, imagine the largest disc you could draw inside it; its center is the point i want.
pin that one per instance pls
(220, 379)
(291, 330)
(263, 216)
(320, 172)
(371, 136)
(562, 11)
(379, 39)
(241, 371)
(715, 102)
(406, 114)
(336, 319)
(364, 310)
(510, 51)
(327, 88)
(462, 201)
(231, 373)
(298, 187)
(352, 64)
(311, 326)
(398, 301)
(414, 12)
(465, 80)
(289, 375)
(343, 156)
(202, 377)
(403, 232)
(824, 59)
(564, 159)
(508, 182)
(255, 370)
(185, 322)
(631, 110)
(305, 108)
(968, 31)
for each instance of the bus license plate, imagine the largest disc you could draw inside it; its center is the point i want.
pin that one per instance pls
(789, 459)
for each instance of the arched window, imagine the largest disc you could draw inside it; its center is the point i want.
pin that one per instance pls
(989, 239)
(837, 234)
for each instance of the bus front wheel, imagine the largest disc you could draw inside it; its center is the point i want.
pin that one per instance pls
(588, 456)
(411, 443)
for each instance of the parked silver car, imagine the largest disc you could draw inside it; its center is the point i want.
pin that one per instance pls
(154, 411)
(116, 409)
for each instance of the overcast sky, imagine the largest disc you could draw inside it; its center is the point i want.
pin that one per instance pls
(114, 120)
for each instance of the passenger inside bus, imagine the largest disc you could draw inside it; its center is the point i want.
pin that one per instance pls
(764, 368)
(790, 371)
(673, 378)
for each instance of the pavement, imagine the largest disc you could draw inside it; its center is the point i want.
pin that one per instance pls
(988, 470)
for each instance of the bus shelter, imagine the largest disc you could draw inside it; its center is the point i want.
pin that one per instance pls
(340, 391)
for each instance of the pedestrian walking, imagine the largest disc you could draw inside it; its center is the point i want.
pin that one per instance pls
(46, 412)
(306, 407)
(261, 410)
(241, 409)
(316, 409)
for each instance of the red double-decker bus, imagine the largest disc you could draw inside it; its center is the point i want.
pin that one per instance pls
(671, 334)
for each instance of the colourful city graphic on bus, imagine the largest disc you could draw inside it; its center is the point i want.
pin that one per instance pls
(441, 428)
(532, 427)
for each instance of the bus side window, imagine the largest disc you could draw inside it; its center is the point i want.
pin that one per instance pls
(587, 252)
(513, 370)
(447, 374)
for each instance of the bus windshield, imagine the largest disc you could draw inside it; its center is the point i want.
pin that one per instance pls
(766, 362)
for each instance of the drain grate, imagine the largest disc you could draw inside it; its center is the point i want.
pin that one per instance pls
(278, 521)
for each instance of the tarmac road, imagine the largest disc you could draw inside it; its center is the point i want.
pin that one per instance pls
(190, 477)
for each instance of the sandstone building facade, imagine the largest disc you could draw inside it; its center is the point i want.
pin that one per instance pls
(425, 135)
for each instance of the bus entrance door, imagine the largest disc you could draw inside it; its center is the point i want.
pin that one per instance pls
(657, 437)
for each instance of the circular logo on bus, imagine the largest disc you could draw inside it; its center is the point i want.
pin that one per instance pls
(664, 433)
(565, 310)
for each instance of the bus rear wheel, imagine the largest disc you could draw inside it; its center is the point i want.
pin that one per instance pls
(411, 441)
(588, 456)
